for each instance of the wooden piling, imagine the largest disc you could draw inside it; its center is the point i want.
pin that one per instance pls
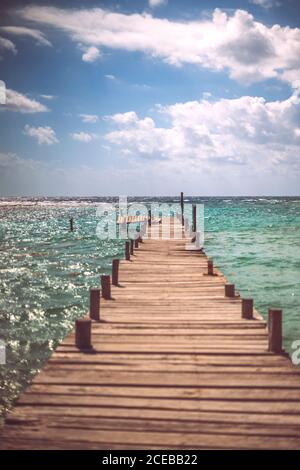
(127, 250)
(247, 309)
(83, 331)
(229, 290)
(131, 247)
(210, 267)
(149, 217)
(194, 218)
(182, 208)
(95, 304)
(71, 224)
(275, 330)
(115, 271)
(105, 286)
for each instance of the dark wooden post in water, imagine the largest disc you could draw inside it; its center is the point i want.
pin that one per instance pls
(229, 290)
(83, 332)
(182, 208)
(71, 224)
(115, 271)
(247, 309)
(127, 251)
(105, 286)
(131, 246)
(194, 218)
(149, 217)
(275, 330)
(210, 267)
(95, 304)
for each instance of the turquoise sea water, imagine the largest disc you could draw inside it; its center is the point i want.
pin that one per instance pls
(46, 271)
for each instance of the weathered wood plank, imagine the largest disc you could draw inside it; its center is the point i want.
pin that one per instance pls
(173, 366)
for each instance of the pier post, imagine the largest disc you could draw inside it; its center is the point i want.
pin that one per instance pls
(131, 246)
(83, 333)
(115, 271)
(71, 224)
(210, 267)
(247, 309)
(182, 208)
(105, 286)
(127, 251)
(95, 304)
(149, 217)
(229, 290)
(194, 218)
(275, 330)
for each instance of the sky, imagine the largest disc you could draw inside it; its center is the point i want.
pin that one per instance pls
(150, 97)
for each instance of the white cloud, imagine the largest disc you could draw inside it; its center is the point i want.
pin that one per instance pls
(210, 134)
(7, 45)
(83, 136)
(247, 49)
(18, 102)
(91, 54)
(89, 118)
(48, 97)
(265, 3)
(2, 92)
(157, 3)
(23, 31)
(110, 77)
(43, 135)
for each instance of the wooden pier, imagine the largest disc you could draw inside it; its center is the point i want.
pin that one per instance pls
(173, 365)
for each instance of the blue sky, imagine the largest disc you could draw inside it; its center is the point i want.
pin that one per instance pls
(128, 97)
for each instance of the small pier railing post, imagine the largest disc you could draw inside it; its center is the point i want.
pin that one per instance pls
(182, 208)
(229, 290)
(247, 309)
(194, 218)
(275, 330)
(210, 267)
(105, 286)
(83, 333)
(127, 250)
(115, 272)
(95, 304)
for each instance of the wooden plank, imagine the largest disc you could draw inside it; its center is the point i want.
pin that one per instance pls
(173, 366)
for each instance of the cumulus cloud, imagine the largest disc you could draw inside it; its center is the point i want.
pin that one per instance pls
(43, 135)
(83, 136)
(247, 49)
(157, 3)
(29, 32)
(7, 45)
(18, 102)
(89, 118)
(242, 131)
(91, 54)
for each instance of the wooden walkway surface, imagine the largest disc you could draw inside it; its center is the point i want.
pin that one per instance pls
(174, 366)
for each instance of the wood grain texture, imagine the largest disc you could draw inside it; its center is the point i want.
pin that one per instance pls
(173, 366)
